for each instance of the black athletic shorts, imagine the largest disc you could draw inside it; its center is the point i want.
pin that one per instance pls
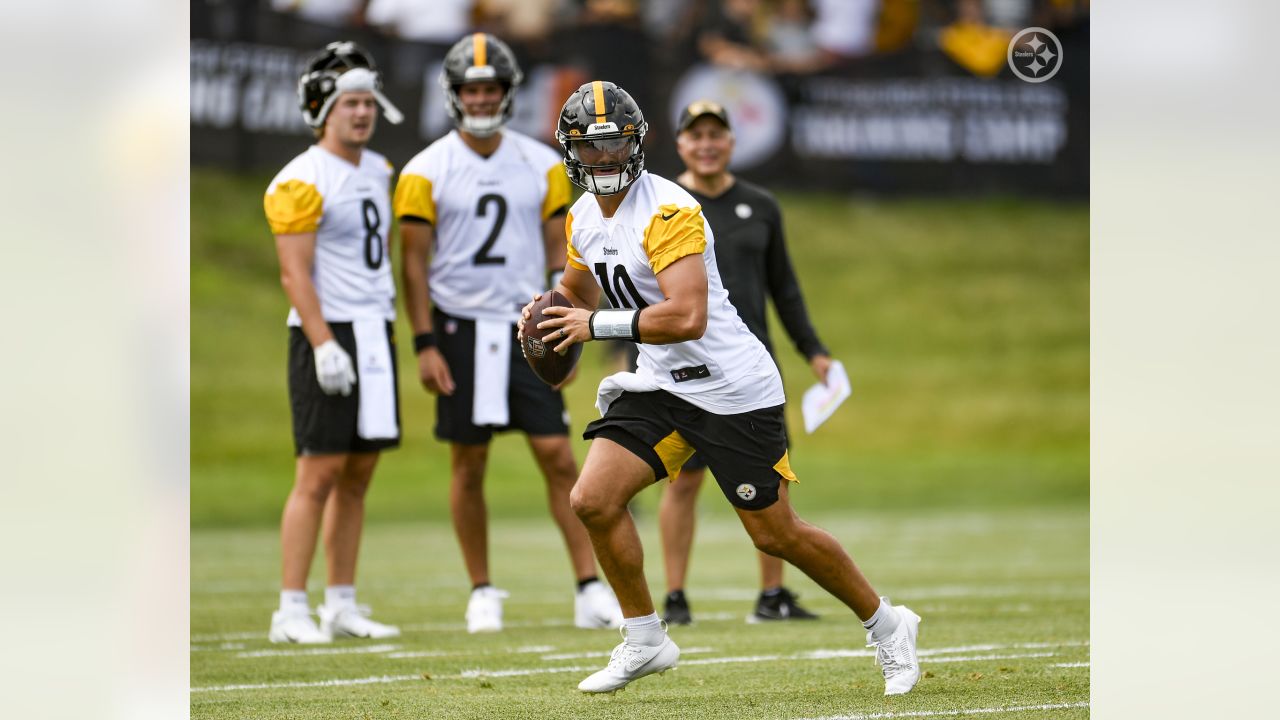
(326, 424)
(746, 452)
(533, 407)
(632, 353)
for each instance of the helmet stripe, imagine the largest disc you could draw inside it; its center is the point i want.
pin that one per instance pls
(479, 50)
(597, 91)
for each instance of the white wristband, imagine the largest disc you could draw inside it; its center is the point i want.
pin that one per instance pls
(615, 325)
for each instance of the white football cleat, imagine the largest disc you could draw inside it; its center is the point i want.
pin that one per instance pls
(353, 621)
(594, 606)
(897, 655)
(295, 626)
(484, 609)
(632, 662)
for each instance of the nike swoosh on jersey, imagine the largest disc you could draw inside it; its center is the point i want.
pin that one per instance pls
(668, 217)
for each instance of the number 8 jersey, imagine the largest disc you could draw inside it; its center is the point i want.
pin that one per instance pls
(349, 210)
(726, 371)
(489, 256)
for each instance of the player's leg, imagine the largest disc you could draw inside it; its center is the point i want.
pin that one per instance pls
(611, 476)
(594, 604)
(468, 458)
(467, 507)
(344, 517)
(471, 526)
(340, 616)
(314, 480)
(555, 459)
(778, 531)
(677, 511)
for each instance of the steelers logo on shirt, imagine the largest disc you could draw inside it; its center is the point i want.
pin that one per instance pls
(747, 492)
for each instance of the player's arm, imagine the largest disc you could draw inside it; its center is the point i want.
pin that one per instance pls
(335, 370)
(681, 316)
(788, 301)
(415, 206)
(416, 239)
(297, 253)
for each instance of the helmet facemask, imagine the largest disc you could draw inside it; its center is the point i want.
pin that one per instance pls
(479, 126)
(603, 165)
(479, 57)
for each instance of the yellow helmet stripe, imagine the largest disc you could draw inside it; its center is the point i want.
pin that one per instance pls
(597, 90)
(479, 49)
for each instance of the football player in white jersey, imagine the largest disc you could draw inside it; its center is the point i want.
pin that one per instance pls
(703, 382)
(330, 212)
(482, 214)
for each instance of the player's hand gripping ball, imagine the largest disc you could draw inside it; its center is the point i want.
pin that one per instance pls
(550, 366)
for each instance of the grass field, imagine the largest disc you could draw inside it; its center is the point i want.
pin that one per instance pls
(957, 474)
(1004, 597)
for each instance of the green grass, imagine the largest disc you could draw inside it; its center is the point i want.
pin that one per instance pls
(1000, 580)
(964, 325)
(957, 474)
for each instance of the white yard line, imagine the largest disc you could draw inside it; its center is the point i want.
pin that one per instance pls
(1072, 664)
(339, 682)
(352, 650)
(954, 713)
(605, 654)
(520, 672)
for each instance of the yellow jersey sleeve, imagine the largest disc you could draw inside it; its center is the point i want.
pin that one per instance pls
(557, 199)
(413, 198)
(292, 207)
(674, 232)
(574, 257)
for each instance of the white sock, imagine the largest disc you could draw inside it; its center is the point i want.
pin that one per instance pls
(883, 622)
(294, 601)
(646, 630)
(336, 596)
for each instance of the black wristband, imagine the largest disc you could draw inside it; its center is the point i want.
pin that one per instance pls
(422, 341)
(635, 326)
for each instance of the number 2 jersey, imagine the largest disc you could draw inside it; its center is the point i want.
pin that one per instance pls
(349, 210)
(727, 371)
(489, 257)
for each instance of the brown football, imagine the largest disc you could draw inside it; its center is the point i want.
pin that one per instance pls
(550, 366)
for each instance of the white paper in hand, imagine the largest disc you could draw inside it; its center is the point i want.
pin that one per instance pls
(820, 401)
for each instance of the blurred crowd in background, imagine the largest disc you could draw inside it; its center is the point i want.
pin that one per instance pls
(774, 36)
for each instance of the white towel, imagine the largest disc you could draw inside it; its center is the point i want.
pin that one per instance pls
(376, 417)
(641, 380)
(493, 372)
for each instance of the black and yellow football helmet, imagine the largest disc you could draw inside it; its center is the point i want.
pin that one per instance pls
(480, 57)
(602, 130)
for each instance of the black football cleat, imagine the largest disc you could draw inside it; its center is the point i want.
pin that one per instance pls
(675, 609)
(779, 605)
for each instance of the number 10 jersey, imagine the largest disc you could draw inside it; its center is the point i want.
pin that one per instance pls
(489, 257)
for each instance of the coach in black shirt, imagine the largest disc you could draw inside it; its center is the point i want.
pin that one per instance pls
(754, 265)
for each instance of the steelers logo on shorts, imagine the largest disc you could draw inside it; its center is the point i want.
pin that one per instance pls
(747, 492)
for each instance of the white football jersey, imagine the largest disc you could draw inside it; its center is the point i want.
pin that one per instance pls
(349, 210)
(727, 370)
(489, 257)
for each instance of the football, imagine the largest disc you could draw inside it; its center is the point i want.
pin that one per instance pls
(550, 366)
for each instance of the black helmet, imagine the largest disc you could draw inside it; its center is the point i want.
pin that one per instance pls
(602, 119)
(479, 57)
(328, 75)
